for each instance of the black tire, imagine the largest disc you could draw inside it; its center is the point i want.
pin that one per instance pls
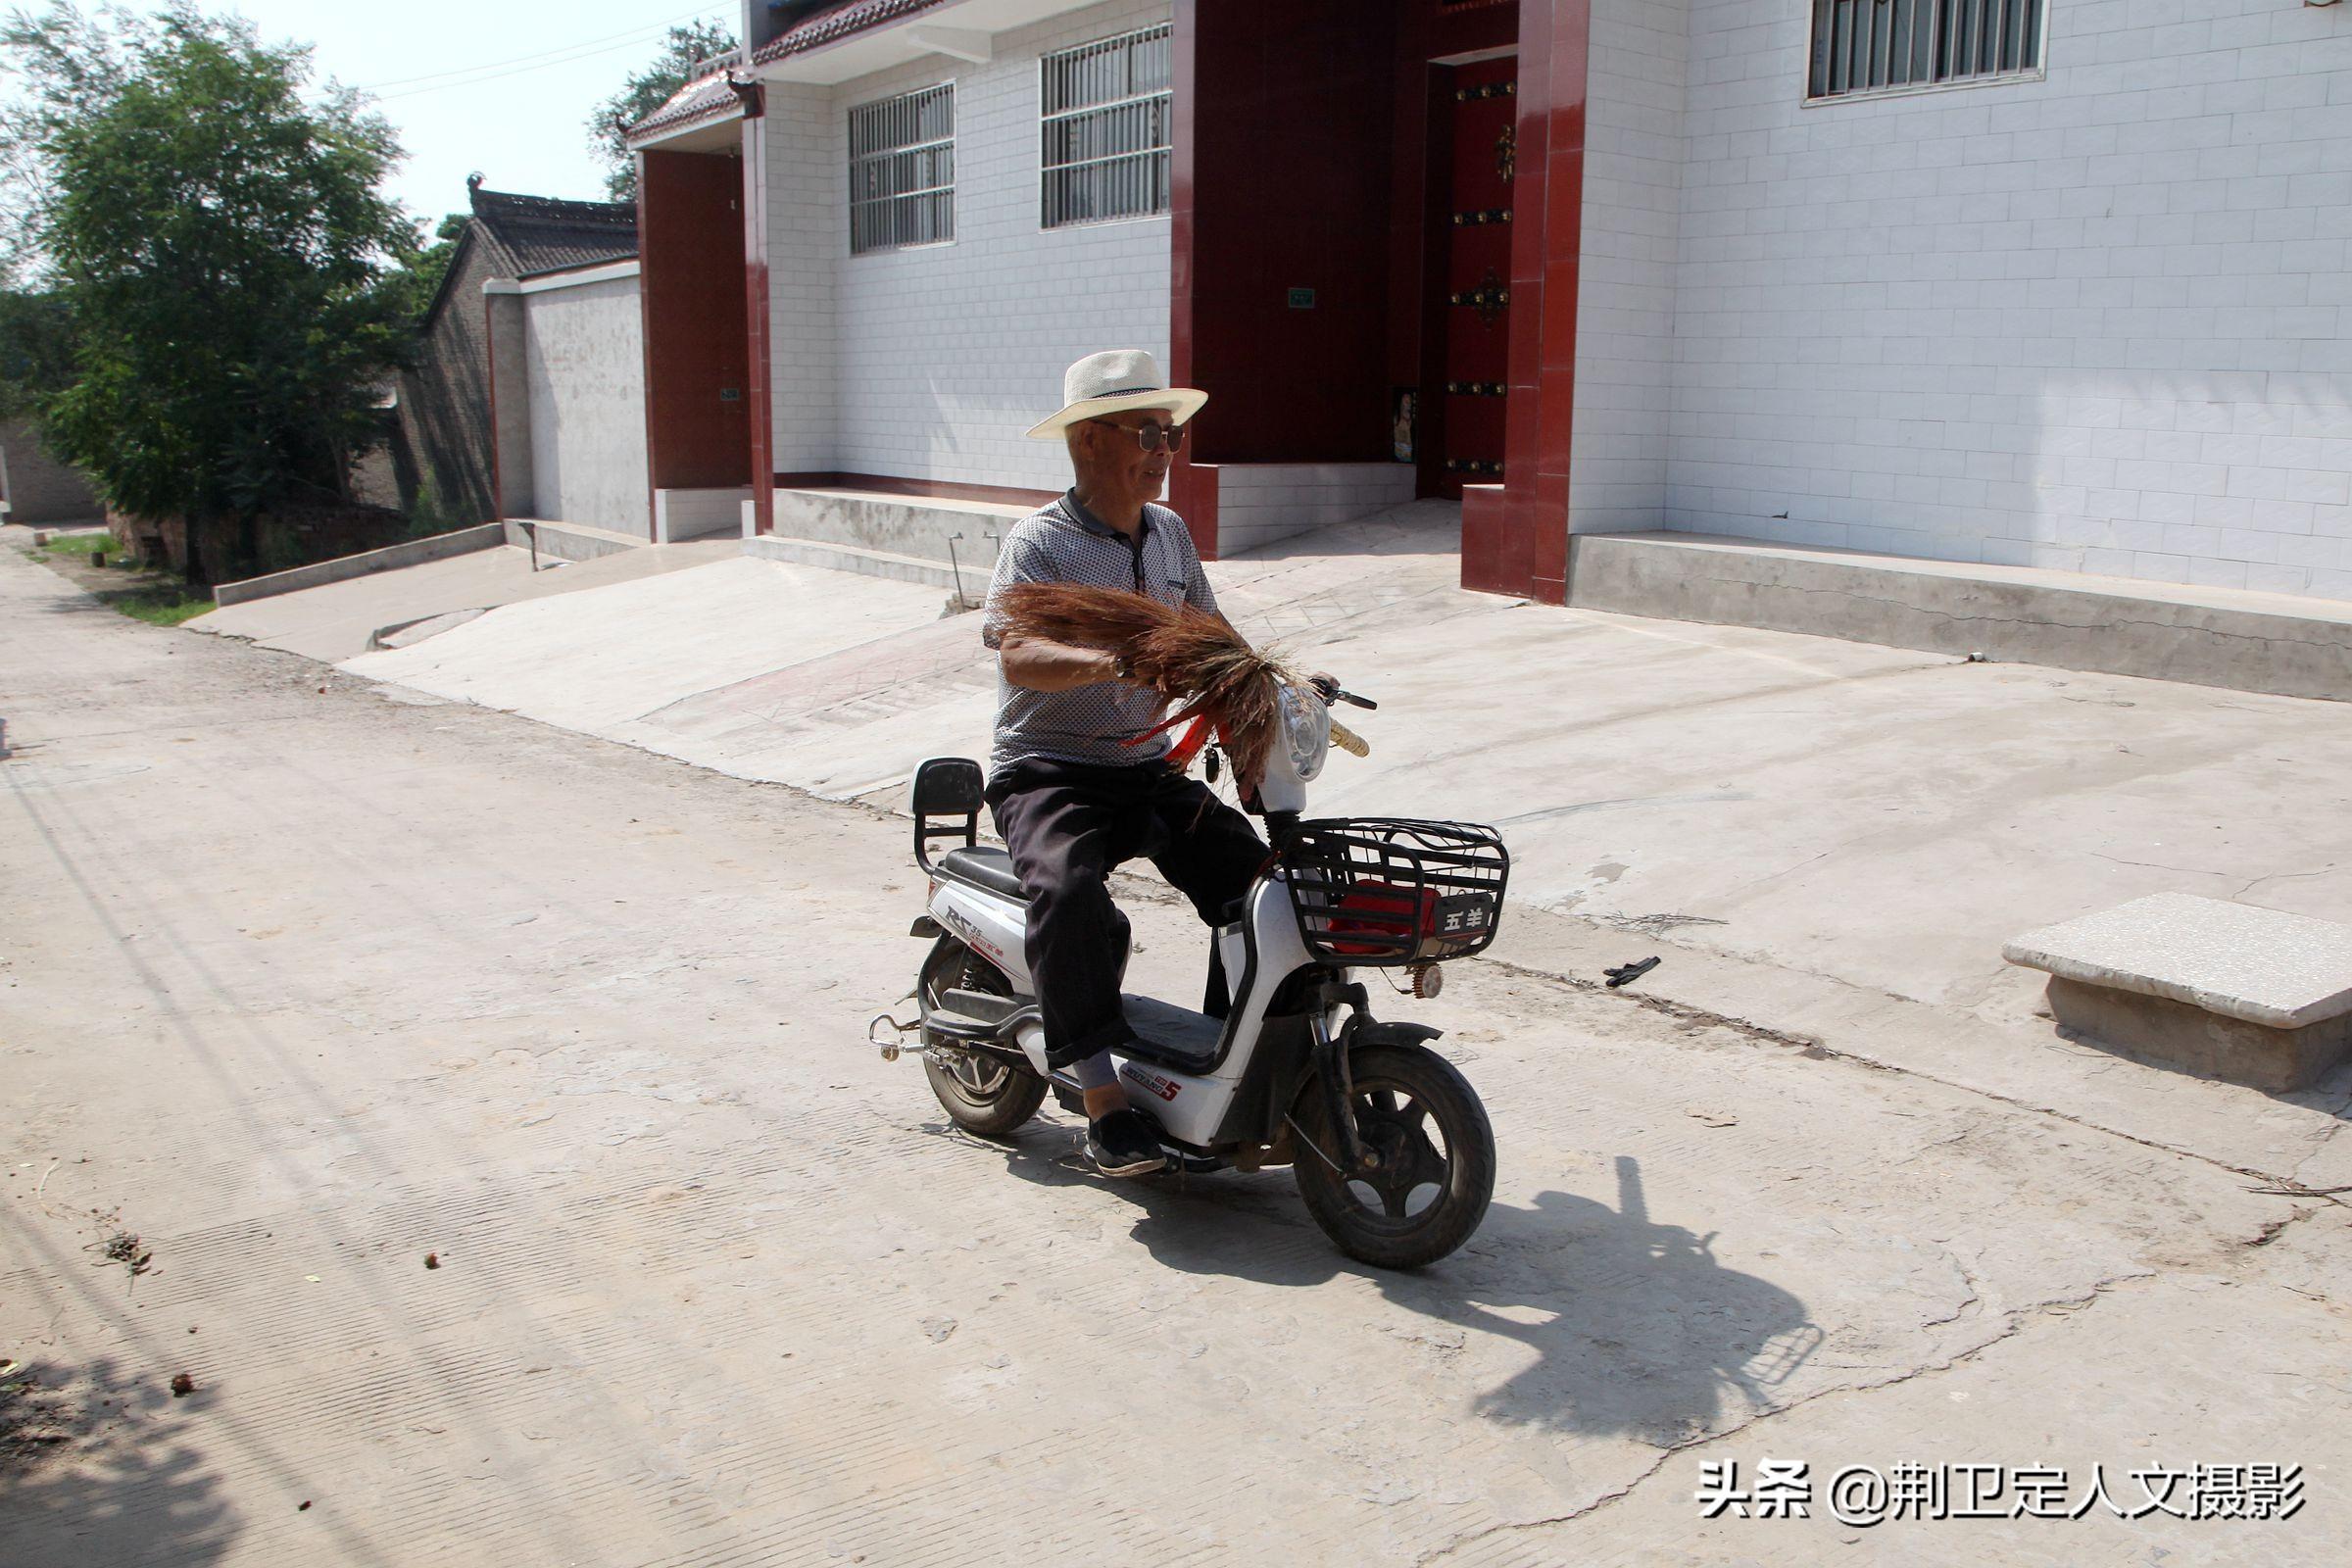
(983, 1094)
(1432, 1192)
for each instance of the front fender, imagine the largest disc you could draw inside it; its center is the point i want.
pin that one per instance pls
(1325, 1085)
(1373, 1031)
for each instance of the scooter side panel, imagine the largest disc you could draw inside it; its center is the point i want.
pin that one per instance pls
(1189, 1108)
(993, 928)
(1192, 1108)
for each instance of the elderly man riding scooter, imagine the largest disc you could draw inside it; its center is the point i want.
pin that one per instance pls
(1070, 799)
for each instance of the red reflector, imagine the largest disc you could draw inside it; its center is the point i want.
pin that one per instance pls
(1386, 910)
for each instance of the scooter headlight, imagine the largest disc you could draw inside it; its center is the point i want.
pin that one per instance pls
(1306, 728)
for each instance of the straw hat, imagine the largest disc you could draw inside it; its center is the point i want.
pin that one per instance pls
(1112, 382)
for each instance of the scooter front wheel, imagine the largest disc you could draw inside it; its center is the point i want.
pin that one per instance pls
(1433, 1155)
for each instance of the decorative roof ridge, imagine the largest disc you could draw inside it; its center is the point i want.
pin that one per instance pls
(493, 204)
(713, 95)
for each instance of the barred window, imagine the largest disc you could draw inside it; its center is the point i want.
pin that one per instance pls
(903, 171)
(1107, 133)
(1873, 45)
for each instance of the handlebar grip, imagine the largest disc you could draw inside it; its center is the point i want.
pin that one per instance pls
(1349, 741)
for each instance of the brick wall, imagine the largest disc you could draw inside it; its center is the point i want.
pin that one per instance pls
(36, 487)
(2095, 322)
(929, 363)
(444, 433)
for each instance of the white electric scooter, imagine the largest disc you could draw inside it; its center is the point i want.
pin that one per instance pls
(1390, 1144)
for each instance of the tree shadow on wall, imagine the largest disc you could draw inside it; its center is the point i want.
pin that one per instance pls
(93, 1475)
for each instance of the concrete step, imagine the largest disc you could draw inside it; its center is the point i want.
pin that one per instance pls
(868, 563)
(2284, 644)
(569, 541)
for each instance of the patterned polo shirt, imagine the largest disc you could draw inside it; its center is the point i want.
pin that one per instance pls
(1064, 542)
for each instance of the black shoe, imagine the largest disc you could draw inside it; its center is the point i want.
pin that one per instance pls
(1123, 1143)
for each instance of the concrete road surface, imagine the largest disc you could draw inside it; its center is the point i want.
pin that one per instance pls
(474, 1114)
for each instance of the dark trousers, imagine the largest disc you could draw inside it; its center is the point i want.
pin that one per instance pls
(1066, 826)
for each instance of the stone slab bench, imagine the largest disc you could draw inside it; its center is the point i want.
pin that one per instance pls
(2253, 996)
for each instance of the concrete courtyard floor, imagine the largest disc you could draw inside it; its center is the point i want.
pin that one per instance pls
(307, 978)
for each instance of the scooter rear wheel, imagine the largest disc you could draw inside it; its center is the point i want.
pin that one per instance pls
(981, 1093)
(1436, 1172)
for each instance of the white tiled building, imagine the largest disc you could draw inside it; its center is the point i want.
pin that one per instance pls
(2055, 283)
(2093, 320)
(926, 363)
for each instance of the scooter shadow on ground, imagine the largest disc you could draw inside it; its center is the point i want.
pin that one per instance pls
(1638, 1331)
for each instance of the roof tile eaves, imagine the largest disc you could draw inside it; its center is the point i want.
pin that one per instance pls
(696, 101)
(837, 24)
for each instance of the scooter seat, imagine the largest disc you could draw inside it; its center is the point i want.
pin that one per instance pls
(1172, 1036)
(984, 865)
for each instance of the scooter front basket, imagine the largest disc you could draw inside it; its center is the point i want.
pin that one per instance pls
(1387, 890)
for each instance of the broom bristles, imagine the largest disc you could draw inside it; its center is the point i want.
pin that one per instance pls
(1191, 658)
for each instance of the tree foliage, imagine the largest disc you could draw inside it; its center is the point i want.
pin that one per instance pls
(419, 278)
(682, 49)
(36, 352)
(228, 265)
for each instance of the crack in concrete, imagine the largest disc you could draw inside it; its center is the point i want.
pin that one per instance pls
(2284, 876)
(1682, 1011)
(2020, 1319)
(2154, 866)
(1814, 1049)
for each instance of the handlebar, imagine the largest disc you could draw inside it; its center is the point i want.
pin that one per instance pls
(1332, 694)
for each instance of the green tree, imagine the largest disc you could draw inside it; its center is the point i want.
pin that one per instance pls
(230, 268)
(36, 352)
(421, 278)
(682, 49)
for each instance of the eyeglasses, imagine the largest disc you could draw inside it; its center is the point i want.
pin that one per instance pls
(1151, 437)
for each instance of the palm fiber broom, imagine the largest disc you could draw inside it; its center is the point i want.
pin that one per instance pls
(1190, 657)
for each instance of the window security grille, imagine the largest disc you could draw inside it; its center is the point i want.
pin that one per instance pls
(1872, 45)
(1107, 129)
(903, 171)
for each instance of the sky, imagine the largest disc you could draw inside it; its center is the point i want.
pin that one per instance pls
(503, 86)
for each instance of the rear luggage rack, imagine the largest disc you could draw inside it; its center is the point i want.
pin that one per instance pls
(1386, 891)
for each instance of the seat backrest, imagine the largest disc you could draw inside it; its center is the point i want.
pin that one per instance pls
(945, 786)
(945, 801)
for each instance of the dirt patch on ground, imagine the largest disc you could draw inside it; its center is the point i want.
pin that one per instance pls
(38, 1420)
(151, 594)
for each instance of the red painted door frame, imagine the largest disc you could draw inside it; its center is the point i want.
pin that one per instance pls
(757, 322)
(1531, 556)
(1191, 488)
